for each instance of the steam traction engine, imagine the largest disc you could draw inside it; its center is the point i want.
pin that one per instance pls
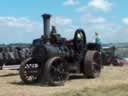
(54, 58)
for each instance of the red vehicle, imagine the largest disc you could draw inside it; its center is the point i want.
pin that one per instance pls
(119, 61)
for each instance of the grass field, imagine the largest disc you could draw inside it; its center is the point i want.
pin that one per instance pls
(112, 82)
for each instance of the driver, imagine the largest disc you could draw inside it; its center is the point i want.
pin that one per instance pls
(98, 40)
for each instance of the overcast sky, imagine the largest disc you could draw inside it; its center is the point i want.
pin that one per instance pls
(20, 20)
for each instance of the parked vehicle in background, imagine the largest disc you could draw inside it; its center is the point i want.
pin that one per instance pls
(13, 54)
(108, 52)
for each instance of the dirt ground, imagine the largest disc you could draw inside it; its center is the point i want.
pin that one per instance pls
(11, 84)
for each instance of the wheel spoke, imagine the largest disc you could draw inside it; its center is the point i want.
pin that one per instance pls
(58, 72)
(29, 72)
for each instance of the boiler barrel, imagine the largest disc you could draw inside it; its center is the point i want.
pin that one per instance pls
(54, 51)
(44, 52)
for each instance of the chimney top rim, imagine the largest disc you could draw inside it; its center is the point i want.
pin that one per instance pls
(46, 15)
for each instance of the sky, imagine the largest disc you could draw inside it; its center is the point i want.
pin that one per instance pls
(21, 21)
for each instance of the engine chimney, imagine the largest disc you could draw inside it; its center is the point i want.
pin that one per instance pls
(46, 19)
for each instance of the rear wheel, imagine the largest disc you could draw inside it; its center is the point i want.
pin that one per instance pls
(56, 72)
(92, 64)
(30, 72)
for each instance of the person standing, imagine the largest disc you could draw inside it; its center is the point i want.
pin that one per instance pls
(98, 40)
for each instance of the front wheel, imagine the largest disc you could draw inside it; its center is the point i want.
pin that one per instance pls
(30, 72)
(56, 72)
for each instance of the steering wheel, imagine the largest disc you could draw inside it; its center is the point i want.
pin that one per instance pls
(79, 40)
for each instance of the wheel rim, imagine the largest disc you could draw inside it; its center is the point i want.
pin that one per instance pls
(96, 69)
(30, 72)
(58, 71)
(97, 63)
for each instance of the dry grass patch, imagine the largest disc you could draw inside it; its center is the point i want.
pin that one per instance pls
(113, 80)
